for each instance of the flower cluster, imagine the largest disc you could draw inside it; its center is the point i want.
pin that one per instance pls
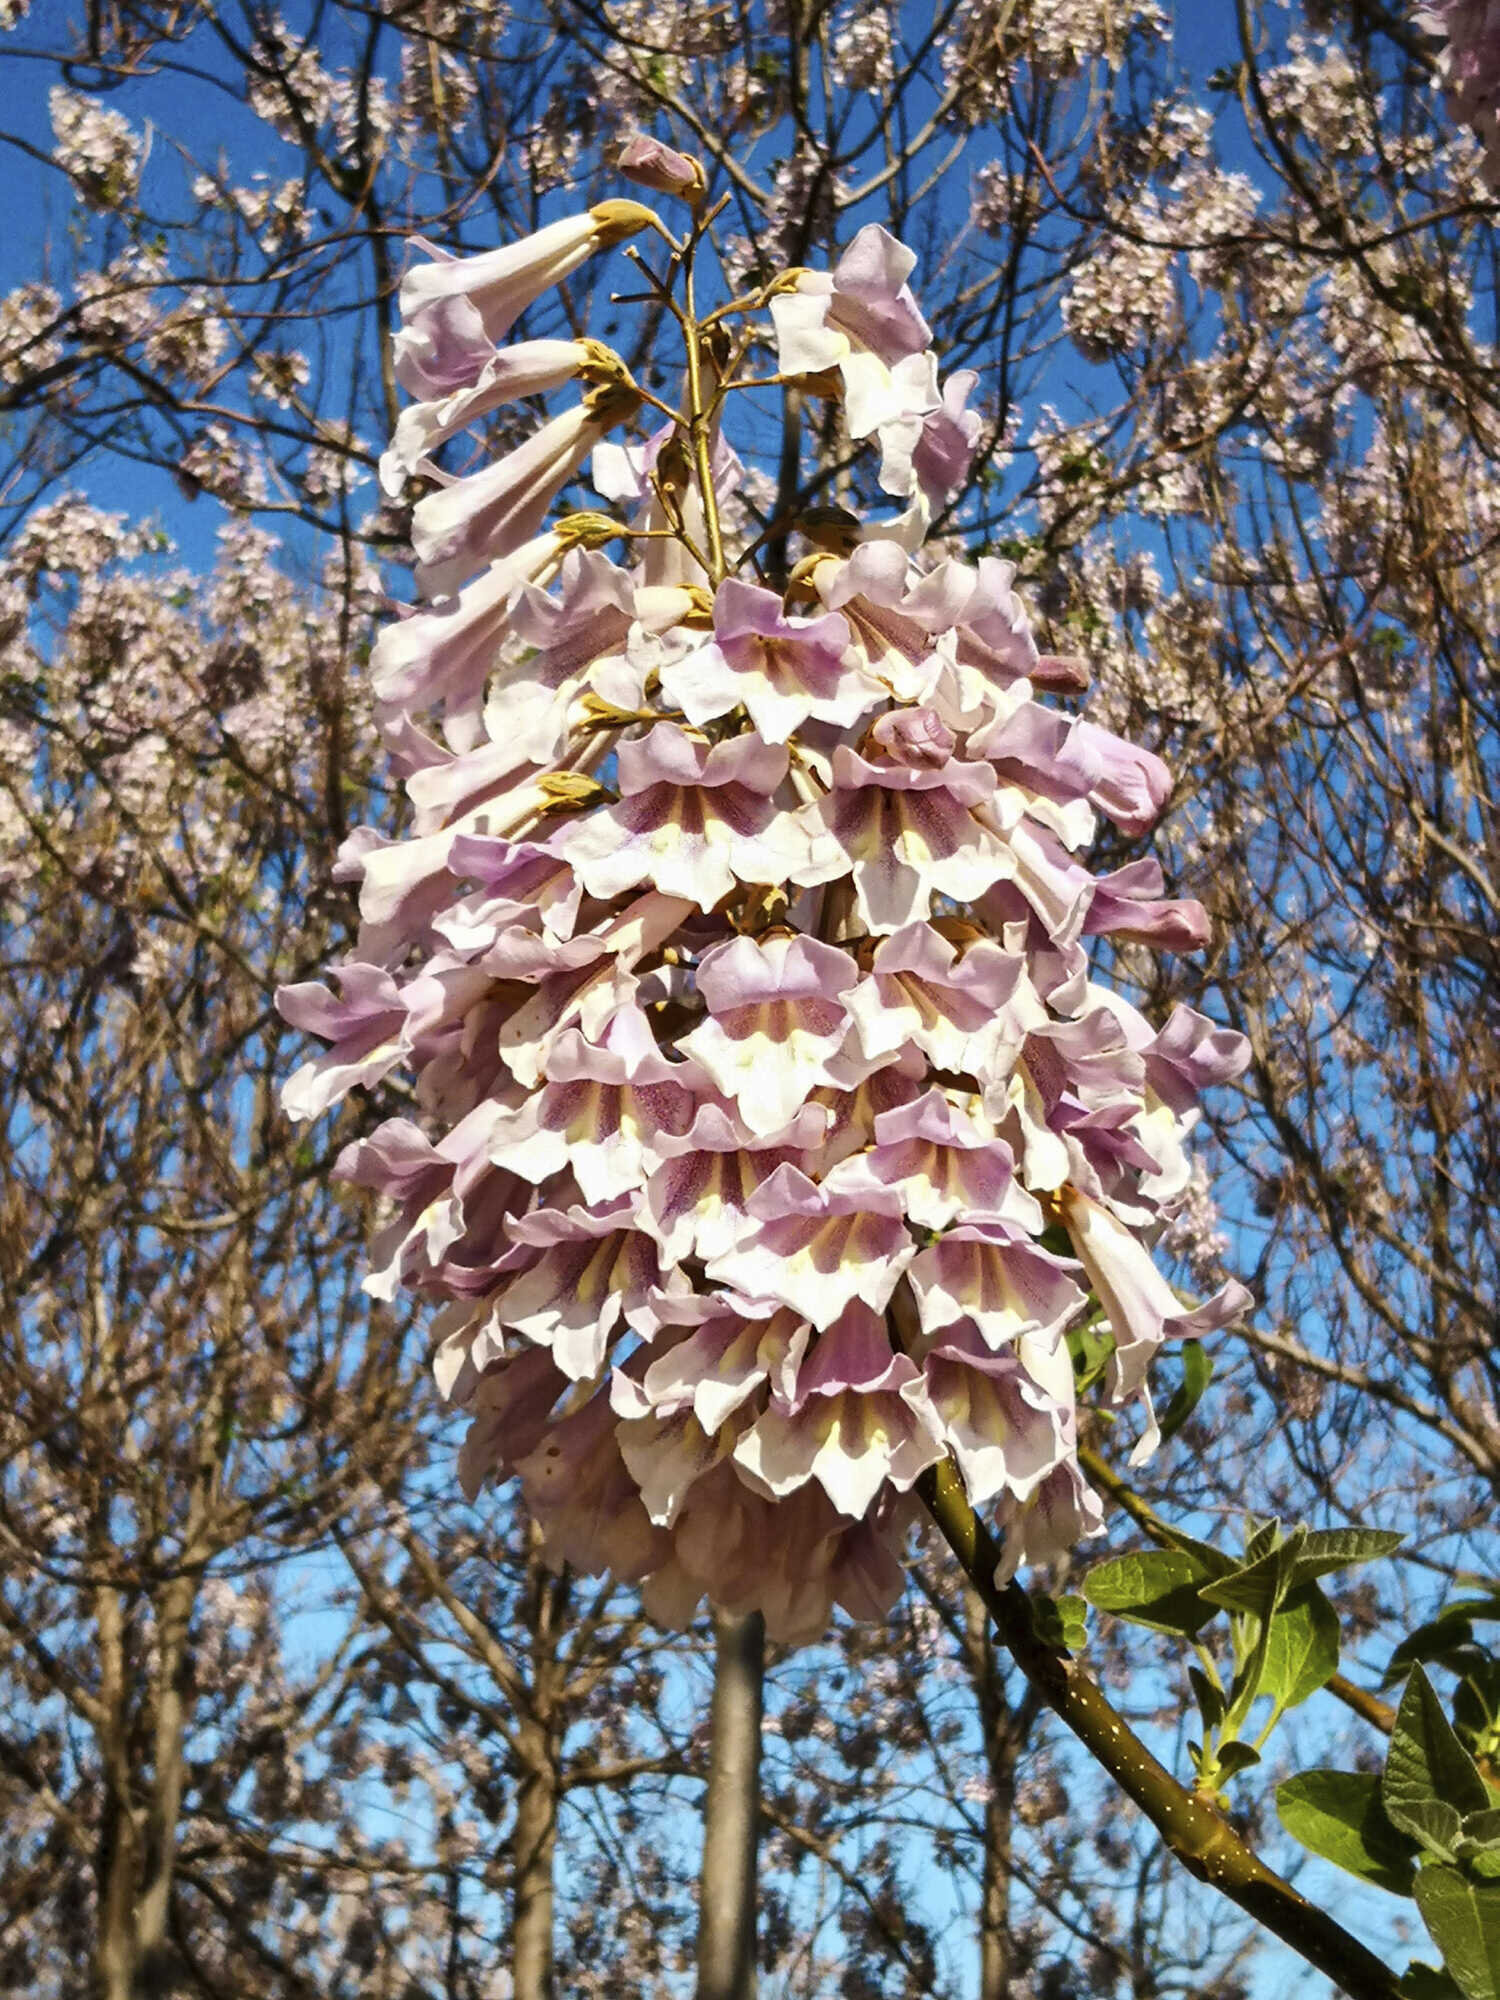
(770, 1133)
(1469, 65)
(95, 148)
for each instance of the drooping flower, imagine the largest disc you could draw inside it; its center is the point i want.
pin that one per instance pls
(769, 1134)
(489, 515)
(863, 321)
(449, 304)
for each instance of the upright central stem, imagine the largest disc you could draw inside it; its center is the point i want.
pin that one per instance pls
(699, 416)
(726, 1904)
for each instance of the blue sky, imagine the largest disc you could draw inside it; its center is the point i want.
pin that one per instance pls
(40, 217)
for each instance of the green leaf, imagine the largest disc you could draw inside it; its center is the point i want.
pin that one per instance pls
(1091, 1350)
(1464, 1919)
(1236, 1757)
(1427, 1766)
(1258, 1587)
(1338, 1815)
(1434, 1825)
(1452, 1629)
(1210, 1698)
(1197, 1373)
(1261, 1536)
(1302, 1652)
(1483, 1828)
(1342, 1548)
(1158, 1587)
(1476, 1707)
(1060, 1621)
(1426, 1982)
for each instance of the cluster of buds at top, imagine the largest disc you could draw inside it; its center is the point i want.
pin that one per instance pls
(770, 1133)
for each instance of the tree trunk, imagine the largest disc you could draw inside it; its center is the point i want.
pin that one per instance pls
(534, 1840)
(996, 1961)
(534, 1843)
(1004, 1730)
(173, 1697)
(731, 1812)
(117, 1855)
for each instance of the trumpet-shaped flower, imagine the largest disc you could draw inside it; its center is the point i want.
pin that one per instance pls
(736, 954)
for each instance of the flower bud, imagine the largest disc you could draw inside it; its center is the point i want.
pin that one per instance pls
(649, 163)
(913, 736)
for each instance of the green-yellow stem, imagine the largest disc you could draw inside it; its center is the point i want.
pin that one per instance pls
(698, 424)
(1194, 1831)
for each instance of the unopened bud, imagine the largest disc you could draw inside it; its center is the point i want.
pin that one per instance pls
(601, 365)
(586, 529)
(650, 163)
(801, 584)
(570, 791)
(917, 737)
(614, 403)
(661, 606)
(602, 714)
(673, 468)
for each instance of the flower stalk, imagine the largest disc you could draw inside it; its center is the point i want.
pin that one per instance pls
(736, 953)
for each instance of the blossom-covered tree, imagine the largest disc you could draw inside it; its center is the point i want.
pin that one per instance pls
(1230, 307)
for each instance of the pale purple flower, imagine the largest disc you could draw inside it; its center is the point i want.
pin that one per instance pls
(1469, 65)
(905, 833)
(489, 515)
(776, 1018)
(992, 1274)
(954, 1008)
(855, 1416)
(506, 374)
(929, 452)
(576, 1273)
(735, 952)
(779, 669)
(1129, 905)
(606, 1111)
(816, 1249)
(455, 303)
(693, 818)
(863, 321)
(1005, 1432)
(370, 1025)
(942, 1164)
(1141, 1306)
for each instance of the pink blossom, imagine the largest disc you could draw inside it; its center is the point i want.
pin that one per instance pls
(776, 1017)
(491, 514)
(905, 834)
(505, 375)
(693, 818)
(863, 321)
(735, 952)
(781, 670)
(855, 1416)
(484, 296)
(1469, 65)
